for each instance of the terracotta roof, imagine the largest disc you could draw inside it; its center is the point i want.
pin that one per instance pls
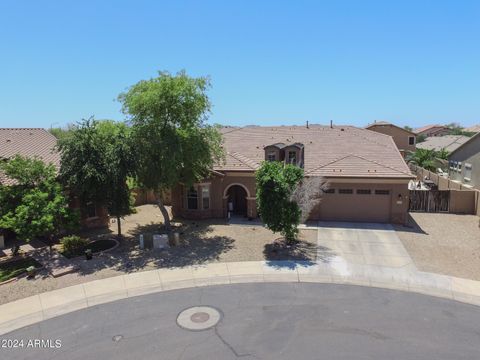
(28, 142)
(341, 151)
(447, 142)
(428, 127)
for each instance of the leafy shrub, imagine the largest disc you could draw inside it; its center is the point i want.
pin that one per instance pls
(73, 244)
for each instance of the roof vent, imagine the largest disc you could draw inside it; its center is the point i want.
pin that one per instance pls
(9, 140)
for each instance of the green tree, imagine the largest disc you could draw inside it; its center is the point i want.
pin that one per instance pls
(425, 158)
(408, 128)
(97, 158)
(35, 205)
(442, 154)
(62, 132)
(172, 140)
(275, 184)
(421, 138)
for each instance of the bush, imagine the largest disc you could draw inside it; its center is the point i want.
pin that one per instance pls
(73, 244)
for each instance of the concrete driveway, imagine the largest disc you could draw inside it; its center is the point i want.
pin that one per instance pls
(362, 244)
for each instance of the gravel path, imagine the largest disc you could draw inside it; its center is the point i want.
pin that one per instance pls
(444, 243)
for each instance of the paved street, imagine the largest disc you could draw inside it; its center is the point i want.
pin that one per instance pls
(264, 321)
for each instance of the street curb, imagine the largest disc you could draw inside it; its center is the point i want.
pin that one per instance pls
(33, 309)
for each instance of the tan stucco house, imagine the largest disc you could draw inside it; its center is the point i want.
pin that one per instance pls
(432, 130)
(403, 138)
(368, 177)
(464, 163)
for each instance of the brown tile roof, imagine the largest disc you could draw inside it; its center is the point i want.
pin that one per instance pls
(341, 151)
(28, 142)
(386, 123)
(428, 127)
(447, 142)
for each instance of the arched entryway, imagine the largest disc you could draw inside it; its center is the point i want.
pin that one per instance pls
(237, 200)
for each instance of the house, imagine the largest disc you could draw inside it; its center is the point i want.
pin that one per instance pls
(432, 130)
(403, 138)
(368, 178)
(447, 142)
(464, 163)
(37, 142)
(473, 129)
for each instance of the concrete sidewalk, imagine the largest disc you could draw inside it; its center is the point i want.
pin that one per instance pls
(40, 307)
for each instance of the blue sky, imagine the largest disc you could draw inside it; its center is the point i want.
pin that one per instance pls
(270, 62)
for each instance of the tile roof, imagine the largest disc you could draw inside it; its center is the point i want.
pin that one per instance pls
(341, 151)
(28, 142)
(428, 127)
(474, 128)
(386, 123)
(447, 142)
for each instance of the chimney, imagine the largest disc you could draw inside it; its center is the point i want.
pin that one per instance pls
(331, 124)
(307, 124)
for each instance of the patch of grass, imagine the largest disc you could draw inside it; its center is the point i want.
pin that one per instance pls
(11, 269)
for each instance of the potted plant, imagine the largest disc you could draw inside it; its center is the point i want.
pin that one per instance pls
(88, 254)
(31, 271)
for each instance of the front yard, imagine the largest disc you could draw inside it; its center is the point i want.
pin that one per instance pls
(443, 243)
(201, 242)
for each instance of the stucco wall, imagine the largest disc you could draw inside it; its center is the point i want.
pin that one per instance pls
(349, 207)
(400, 136)
(462, 201)
(468, 153)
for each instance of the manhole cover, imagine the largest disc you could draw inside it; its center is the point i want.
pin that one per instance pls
(198, 318)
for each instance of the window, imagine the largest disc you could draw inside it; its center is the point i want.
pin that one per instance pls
(411, 140)
(192, 199)
(271, 156)
(329, 191)
(382, 192)
(205, 197)
(364, 191)
(451, 164)
(91, 210)
(345, 191)
(468, 172)
(459, 167)
(292, 157)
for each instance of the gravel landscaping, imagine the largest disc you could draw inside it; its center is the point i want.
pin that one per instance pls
(443, 243)
(200, 242)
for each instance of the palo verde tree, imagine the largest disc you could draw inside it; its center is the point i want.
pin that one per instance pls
(34, 205)
(276, 183)
(172, 140)
(97, 158)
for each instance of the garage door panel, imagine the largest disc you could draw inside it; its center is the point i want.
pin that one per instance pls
(354, 207)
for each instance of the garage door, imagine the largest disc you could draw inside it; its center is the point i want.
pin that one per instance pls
(347, 204)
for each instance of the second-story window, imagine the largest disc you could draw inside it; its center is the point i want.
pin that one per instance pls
(271, 156)
(411, 140)
(292, 157)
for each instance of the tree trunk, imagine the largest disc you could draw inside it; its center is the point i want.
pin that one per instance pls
(119, 226)
(163, 210)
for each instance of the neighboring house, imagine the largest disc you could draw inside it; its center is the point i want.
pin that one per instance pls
(464, 163)
(368, 178)
(403, 138)
(432, 130)
(36, 142)
(472, 129)
(447, 142)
